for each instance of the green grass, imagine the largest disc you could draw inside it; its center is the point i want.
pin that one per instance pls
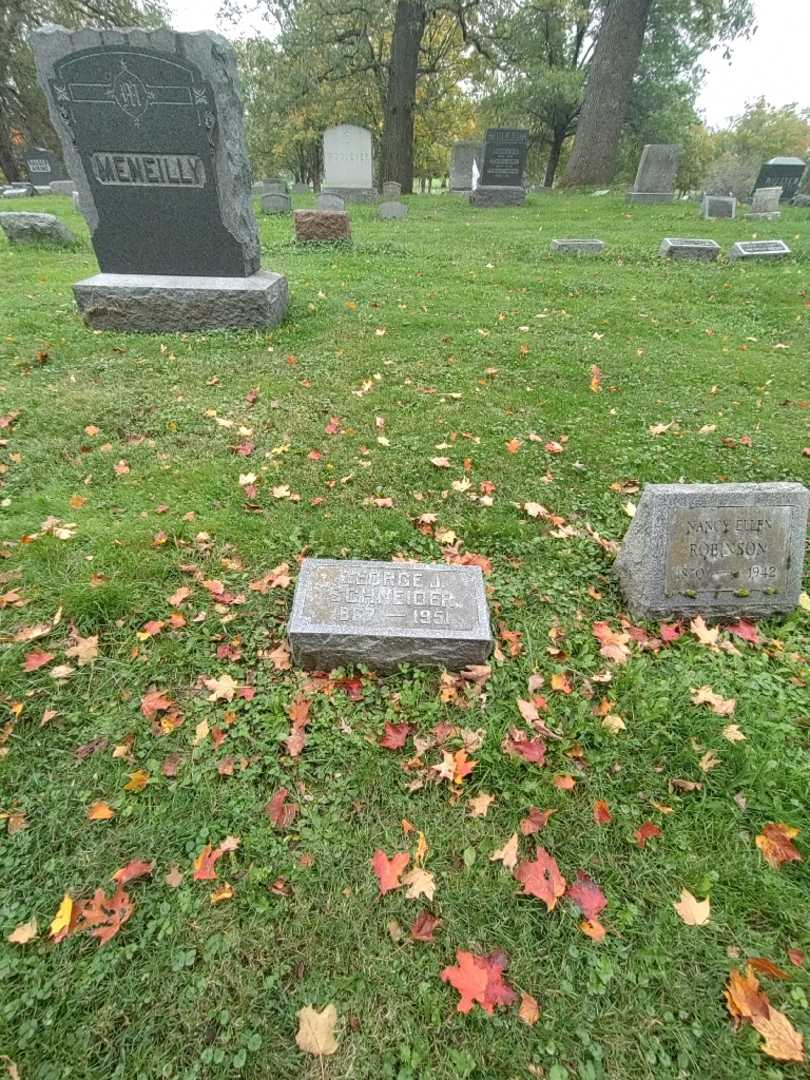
(487, 338)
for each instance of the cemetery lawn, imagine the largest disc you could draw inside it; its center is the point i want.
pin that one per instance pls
(473, 346)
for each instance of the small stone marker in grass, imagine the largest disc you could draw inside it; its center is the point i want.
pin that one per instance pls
(26, 228)
(276, 203)
(719, 206)
(758, 249)
(392, 211)
(391, 189)
(715, 549)
(578, 247)
(322, 226)
(676, 247)
(325, 200)
(349, 611)
(765, 204)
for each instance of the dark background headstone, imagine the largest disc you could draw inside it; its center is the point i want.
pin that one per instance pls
(784, 172)
(505, 152)
(43, 166)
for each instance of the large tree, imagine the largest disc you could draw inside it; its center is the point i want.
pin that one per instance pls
(684, 28)
(23, 112)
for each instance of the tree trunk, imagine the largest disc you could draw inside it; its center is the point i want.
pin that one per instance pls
(607, 95)
(553, 158)
(400, 98)
(8, 163)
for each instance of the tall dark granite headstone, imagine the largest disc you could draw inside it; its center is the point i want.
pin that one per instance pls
(43, 166)
(784, 172)
(501, 181)
(151, 127)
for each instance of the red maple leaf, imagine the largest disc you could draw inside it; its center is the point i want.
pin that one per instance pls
(745, 630)
(205, 862)
(670, 632)
(646, 832)
(388, 871)
(424, 927)
(518, 745)
(154, 702)
(535, 820)
(395, 736)
(104, 917)
(281, 813)
(479, 979)
(601, 812)
(587, 895)
(541, 878)
(36, 659)
(134, 869)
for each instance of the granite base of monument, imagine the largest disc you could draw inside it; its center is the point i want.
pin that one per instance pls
(347, 611)
(715, 549)
(491, 196)
(353, 195)
(643, 198)
(154, 303)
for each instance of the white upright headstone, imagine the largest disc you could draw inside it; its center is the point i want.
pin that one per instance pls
(348, 161)
(476, 175)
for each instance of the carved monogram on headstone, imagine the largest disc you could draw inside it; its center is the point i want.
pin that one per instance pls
(145, 126)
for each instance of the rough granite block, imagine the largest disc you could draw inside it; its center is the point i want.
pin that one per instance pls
(489, 197)
(27, 228)
(322, 226)
(155, 303)
(675, 247)
(348, 611)
(391, 211)
(758, 249)
(578, 247)
(715, 549)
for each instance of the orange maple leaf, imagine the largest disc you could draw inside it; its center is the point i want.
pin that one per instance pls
(479, 979)
(134, 869)
(541, 878)
(388, 871)
(775, 843)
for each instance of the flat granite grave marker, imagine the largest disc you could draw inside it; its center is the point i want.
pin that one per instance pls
(348, 163)
(322, 226)
(758, 249)
(719, 206)
(715, 549)
(348, 611)
(504, 165)
(786, 172)
(150, 123)
(578, 247)
(676, 247)
(465, 154)
(655, 178)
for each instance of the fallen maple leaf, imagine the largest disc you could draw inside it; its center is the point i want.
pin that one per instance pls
(316, 1030)
(646, 832)
(519, 745)
(480, 804)
(601, 812)
(424, 927)
(782, 1041)
(134, 869)
(588, 897)
(388, 871)
(100, 811)
(613, 643)
(535, 820)
(767, 967)
(704, 695)
(420, 883)
(702, 632)
(36, 659)
(744, 999)
(745, 630)
(24, 933)
(395, 736)
(62, 920)
(137, 780)
(223, 892)
(796, 957)
(508, 854)
(541, 878)
(281, 813)
(692, 911)
(174, 876)
(479, 979)
(776, 844)
(104, 916)
(222, 688)
(205, 862)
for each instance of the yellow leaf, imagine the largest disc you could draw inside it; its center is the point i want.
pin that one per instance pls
(782, 1041)
(137, 780)
(100, 811)
(24, 933)
(316, 1030)
(804, 601)
(61, 920)
(692, 911)
(224, 892)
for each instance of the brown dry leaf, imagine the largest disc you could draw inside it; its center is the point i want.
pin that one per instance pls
(710, 760)
(420, 883)
(744, 999)
(222, 688)
(529, 1011)
(782, 1041)
(100, 811)
(692, 911)
(84, 650)
(25, 932)
(508, 854)
(316, 1030)
(480, 804)
(703, 633)
(174, 877)
(704, 695)
(732, 733)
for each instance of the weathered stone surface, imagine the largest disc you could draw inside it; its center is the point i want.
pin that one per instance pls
(391, 189)
(276, 204)
(763, 215)
(347, 158)
(715, 550)
(322, 226)
(353, 195)
(786, 172)
(150, 123)
(766, 200)
(758, 249)
(347, 611)
(461, 165)
(802, 201)
(655, 178)
(27, 228)
(578, 247)
(157, 303)
(62, 187)
(488, 197)
(390, 211)
(719, 206)
(676, 247)
(43, 166)
(275, 187)
(299, 188)
(325, 200)
(505, 152)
